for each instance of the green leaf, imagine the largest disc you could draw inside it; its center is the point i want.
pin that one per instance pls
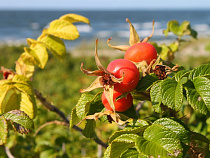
(63, 29)
(4, 130)
(202, 70)
(158, 141)
(132, 152)
(199, 98)
(89, 130)
(172, 93)
(135, 127)
(83, 105)
(21, 122)
(120, 144)
(156, 97)
(180, 74)
(39, 53)
(176, 127)
(146, 82)
(74, 119)
(72, 18)
(180, 30)
(55, 45)
(88, 104)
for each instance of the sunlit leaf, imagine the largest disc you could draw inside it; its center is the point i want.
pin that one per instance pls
(20, 121)
(159, 141)
(156, 96)
(120, 144)
(39, 53)
(55, 45)
(176, 127)
(172, 93)
(199, 97)
(202, 70)
(72, 18)
(23, 68)
(3, 129)
(63, 29)
(28, 102)
(88, 104)
(135, 127)
(180, 29)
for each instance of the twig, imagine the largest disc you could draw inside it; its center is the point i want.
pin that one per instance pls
(62, 115)
(9, 154)
(50, 123)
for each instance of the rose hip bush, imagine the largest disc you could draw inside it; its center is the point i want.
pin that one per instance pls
(145, 81)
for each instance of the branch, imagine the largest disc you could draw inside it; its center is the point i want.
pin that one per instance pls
(50, 123)
(51, 107)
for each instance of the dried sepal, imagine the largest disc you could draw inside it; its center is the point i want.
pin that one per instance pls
(113, 116)
(120, 47)
(91, 73)
(109, 93)
(153, 28)
(134, 37)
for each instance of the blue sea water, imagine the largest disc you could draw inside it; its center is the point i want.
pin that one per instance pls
(16, 26)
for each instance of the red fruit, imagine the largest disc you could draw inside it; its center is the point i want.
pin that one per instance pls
(123, 67)
(140, 52)
(121, 105)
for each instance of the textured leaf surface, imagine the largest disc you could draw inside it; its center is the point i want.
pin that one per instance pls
(120, 144)
(63, 29)
(3, 129)
(88, 105)
(172, 93)
(20, 121)
(89, 130)
(203, 71)
(175, 127)
(138, 126)
(55, 45)
(199, 98)
(159, 141)
(156, 96)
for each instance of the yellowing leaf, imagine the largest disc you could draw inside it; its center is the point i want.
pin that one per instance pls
(75, 18)
(28, 102)
(55, 45)
(63, 29)
(39, 53)
(23, 68)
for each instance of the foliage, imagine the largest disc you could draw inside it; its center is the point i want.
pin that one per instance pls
(169, 116)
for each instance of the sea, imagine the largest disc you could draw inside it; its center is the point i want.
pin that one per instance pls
(17, 26)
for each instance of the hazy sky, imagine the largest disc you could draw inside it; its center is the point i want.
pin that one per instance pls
(102, 4)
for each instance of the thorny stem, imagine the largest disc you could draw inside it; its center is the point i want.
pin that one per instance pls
(51, 107)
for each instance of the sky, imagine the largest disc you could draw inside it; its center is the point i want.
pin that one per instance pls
(104, 4)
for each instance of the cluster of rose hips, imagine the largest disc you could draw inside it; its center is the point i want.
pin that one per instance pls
(122, 75)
